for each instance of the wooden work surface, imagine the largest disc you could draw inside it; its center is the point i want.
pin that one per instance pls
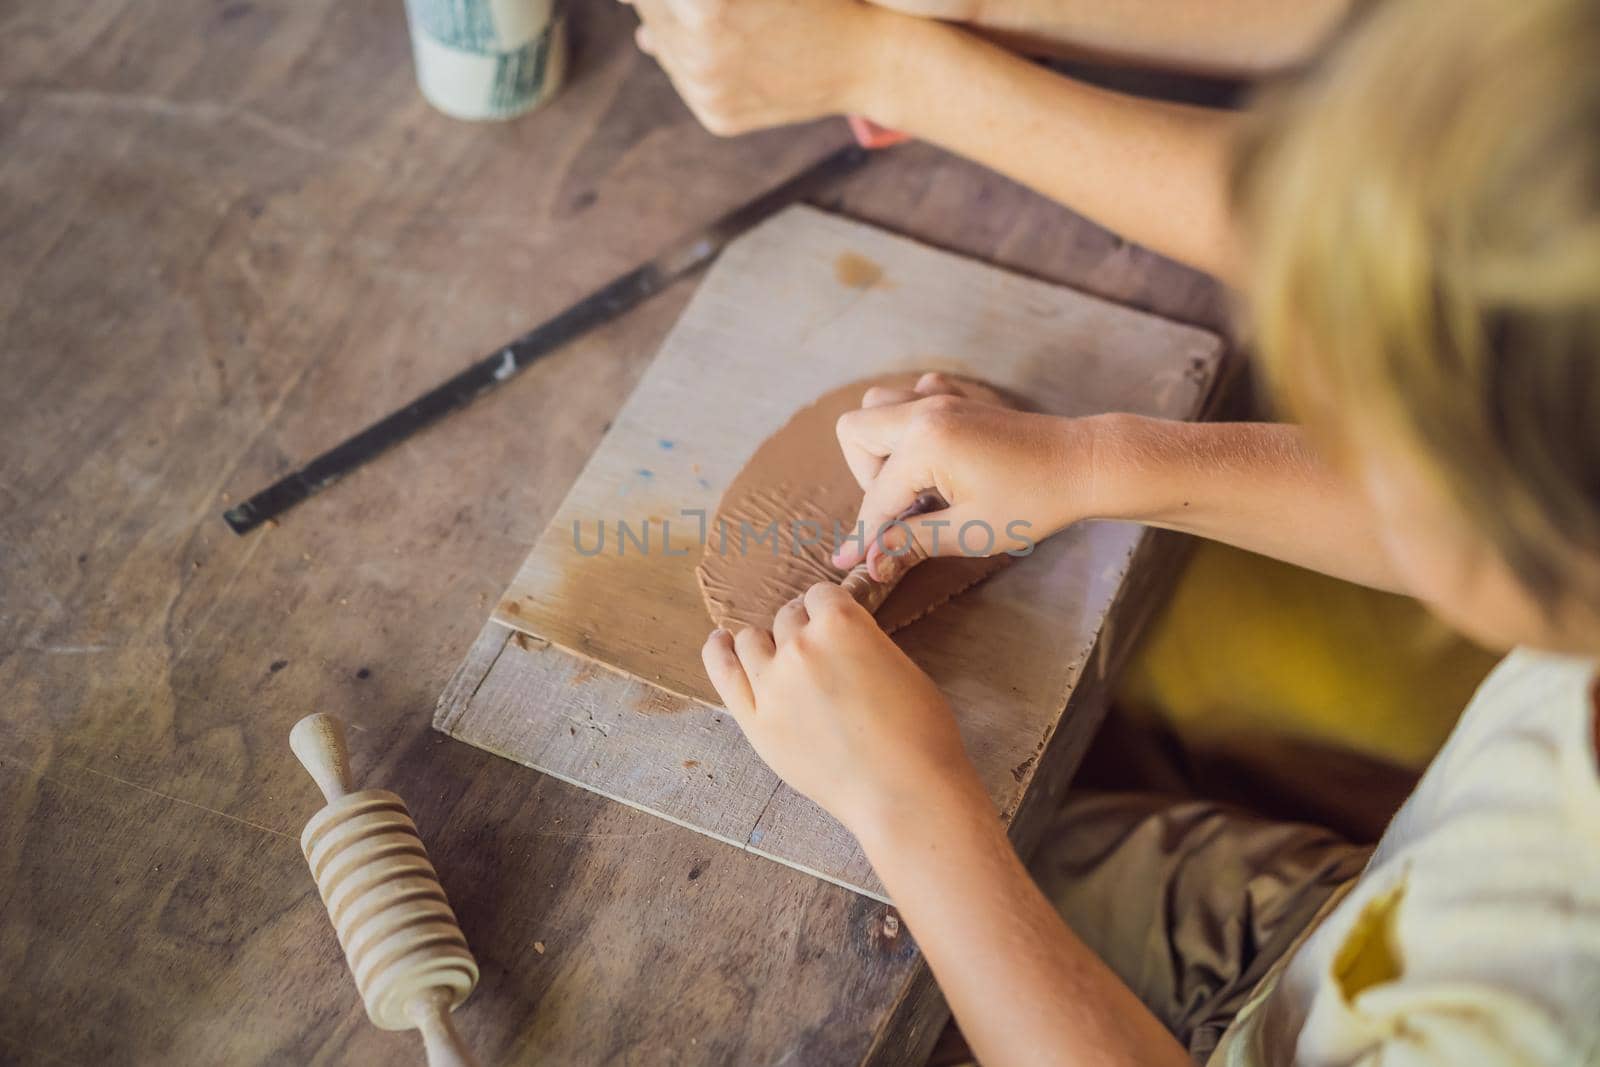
(230, 234)
(771, 326)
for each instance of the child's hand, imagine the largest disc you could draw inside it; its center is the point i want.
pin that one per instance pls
(1011, 478)
(743, 65)
(838, 711)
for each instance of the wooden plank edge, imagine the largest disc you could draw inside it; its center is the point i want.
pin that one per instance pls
(870, 894)
(588, 788)
(469, 676)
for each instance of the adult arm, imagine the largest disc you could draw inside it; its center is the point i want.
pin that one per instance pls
(1154, 172)
(1234, 38)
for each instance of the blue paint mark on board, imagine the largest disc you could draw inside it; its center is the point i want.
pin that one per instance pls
(666, 445)
(642, 475)
(703, 483)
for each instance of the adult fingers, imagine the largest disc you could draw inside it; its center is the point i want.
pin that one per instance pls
(727, 673)
(687, 12)
(656, 35)
(653, 12)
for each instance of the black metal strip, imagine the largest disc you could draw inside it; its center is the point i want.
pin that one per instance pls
(607, 303)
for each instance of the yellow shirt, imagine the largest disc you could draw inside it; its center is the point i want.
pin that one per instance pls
(1473, 936)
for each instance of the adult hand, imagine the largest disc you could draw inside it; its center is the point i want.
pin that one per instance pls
(743, 65)
(840, 713)
(1010, 478)
(946, 10)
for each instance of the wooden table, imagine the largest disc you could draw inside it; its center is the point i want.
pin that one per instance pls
(231, 233)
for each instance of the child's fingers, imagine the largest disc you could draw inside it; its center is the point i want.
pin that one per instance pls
(931, 384)
(755, 649)
(880, 396)
(935, 384)
(826, 598)
(907, 542)
(789, 620)
(895, 489)
(727, 673)
(868, 435)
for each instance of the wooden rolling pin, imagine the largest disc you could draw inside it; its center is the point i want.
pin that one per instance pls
(399, 936)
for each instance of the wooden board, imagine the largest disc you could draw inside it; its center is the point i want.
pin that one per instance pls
(589, 669)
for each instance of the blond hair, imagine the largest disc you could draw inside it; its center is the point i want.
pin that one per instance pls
(1422, 210)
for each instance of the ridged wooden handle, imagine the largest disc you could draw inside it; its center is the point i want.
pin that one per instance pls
(441, 1043)
(867, 590)
(398, 933)
(318, 743)
(400, 938)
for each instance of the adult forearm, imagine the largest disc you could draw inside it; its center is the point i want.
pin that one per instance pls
(1154, 172)
(1239, 38)
(1258, 486)
(1023, 987)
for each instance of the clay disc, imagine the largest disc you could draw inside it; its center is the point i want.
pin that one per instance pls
(798, 477)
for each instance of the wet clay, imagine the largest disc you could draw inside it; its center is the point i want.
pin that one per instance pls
(798, 479)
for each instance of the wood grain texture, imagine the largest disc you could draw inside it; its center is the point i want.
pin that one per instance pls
(231, 234)
(614, 698)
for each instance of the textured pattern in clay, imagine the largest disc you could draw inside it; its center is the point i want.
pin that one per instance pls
(798, 478)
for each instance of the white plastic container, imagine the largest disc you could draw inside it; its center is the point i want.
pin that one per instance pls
(488, 59)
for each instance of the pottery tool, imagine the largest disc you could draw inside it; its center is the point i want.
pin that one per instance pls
(399, 936)
(867, 590)
(599, 307)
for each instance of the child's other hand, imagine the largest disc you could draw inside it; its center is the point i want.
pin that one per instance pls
(838, 711)
(1011, 478)
(743, 65)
